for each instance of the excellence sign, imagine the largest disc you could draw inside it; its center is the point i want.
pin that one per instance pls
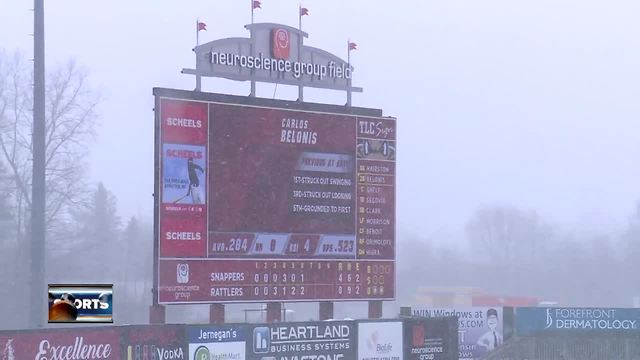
(266, 202)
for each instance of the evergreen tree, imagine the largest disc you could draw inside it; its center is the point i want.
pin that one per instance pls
(95, 250)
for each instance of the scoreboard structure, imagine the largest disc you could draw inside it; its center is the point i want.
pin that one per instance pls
(261, 200)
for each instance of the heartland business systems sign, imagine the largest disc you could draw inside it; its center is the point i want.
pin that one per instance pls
(274, 53)
(530, 321)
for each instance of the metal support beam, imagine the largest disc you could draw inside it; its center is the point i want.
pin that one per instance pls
(38, 310)
(157, 314)
(216, 313)
(274, 312)
(375, 309)
(325, 310)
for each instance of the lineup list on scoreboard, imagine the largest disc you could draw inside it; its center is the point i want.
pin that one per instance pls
(298, 206)
(375, 227)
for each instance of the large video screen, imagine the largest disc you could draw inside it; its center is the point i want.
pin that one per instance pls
(261, 203)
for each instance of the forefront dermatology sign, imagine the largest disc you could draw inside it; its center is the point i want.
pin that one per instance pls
(535, 320)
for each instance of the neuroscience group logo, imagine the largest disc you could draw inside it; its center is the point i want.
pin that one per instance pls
(182, 273)
(418, 335)
(280, 44)
(81, 303)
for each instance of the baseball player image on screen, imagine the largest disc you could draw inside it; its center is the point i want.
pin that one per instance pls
(184, 174)
(193, 190)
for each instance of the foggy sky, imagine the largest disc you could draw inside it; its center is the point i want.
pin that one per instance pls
(533, 103)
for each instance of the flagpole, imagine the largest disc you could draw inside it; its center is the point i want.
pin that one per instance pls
(198, 78)
(349, 67)
(252, 91)
(300, 92)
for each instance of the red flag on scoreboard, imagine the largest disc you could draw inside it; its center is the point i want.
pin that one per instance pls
(202, 26)
(304, 11)
(256, 4)
(353, 46)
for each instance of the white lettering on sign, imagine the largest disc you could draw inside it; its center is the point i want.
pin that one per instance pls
(296, 68)
(77, 351)
(183, 235)
(188, 123)
(170, 353)
(376, 129)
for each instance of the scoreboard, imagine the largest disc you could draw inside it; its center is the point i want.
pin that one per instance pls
(272, 202)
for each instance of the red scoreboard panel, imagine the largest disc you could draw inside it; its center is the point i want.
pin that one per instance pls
(266, 203)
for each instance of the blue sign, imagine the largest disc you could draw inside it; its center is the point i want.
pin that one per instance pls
(215, 334)
(309, 340)
(531, 321)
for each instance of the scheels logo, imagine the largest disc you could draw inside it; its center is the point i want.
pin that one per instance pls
(280, 44)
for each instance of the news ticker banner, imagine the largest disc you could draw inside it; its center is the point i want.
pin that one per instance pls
(259, 197)
(480, 329)
(540, 320)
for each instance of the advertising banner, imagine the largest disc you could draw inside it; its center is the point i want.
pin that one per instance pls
(480, 329)
(381, 340)
(431, 339)
(183, 178)
(333, 340)
(183, 174)
(531, 321)
(216, 342)
(154, 342)
(273, 203)
(71, 344)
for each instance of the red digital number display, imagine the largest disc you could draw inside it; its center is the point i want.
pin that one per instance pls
(273, 204)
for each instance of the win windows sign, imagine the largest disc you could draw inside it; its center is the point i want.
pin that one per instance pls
(81, 303)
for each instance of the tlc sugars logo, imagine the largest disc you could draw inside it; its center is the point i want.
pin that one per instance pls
(261, 340)
(81, 303)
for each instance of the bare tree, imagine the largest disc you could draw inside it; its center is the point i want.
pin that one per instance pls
(70, 123)
(506, 234)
